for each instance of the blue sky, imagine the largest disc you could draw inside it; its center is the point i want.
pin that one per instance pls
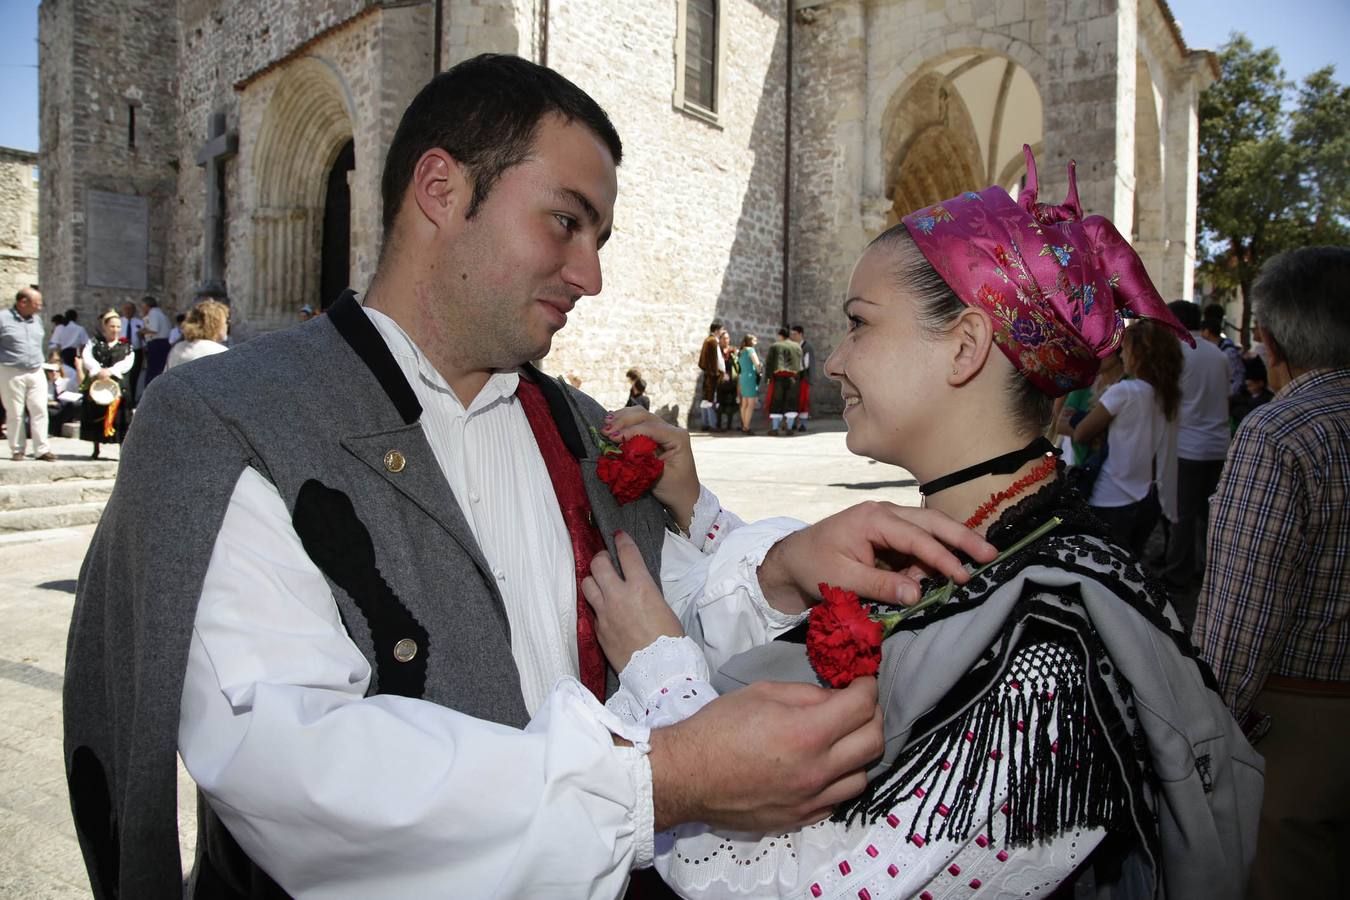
(1307, 33)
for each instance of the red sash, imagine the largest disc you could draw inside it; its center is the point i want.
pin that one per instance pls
(565, 473)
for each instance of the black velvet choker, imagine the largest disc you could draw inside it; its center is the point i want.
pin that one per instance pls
(999, 465)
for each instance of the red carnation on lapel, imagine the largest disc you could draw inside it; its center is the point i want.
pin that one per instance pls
(842, 641)
(631, 468)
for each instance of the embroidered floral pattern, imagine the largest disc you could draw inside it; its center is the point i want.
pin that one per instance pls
(1054, 281)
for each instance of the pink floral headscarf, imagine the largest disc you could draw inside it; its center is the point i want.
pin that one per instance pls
(1053, 282)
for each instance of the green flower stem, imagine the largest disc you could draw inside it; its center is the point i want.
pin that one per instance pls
(939, 595)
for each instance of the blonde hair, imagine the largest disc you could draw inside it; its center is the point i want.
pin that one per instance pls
(206, 321)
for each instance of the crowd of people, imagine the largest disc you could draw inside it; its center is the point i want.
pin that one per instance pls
(95, 380)
(734, 381)
(407, 640)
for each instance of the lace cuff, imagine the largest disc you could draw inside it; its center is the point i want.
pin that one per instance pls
(660, 664)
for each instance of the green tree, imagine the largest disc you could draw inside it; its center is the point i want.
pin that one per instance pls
(1270, 179)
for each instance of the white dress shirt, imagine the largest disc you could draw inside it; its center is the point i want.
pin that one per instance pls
(336, 794)
(157, 321)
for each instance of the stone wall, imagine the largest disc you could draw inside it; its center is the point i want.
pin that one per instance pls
(363, 58)
(18, 222)
(698, 224)
(99, 60)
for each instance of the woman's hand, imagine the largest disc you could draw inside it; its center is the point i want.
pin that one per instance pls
(677, 488)
(630, 612)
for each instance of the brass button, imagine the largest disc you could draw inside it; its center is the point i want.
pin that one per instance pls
(394, 462)
(405, 650)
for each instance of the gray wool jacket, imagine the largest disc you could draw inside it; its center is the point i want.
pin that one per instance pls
(320, 410)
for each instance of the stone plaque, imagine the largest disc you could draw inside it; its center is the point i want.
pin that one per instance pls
(115, 240)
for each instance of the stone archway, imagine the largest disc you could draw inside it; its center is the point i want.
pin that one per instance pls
(305, 128)
(957, 125)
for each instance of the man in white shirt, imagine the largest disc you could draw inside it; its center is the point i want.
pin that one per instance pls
(132, 325)
(155, 333)
(72, 340)
(1202, 444)
(330, 780)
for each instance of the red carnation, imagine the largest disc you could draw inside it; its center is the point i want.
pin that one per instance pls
(631, 469)
(842, 641)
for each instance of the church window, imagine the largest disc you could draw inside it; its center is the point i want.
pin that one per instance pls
(699, 58)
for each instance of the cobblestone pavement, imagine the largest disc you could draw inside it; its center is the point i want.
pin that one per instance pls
(808, 476)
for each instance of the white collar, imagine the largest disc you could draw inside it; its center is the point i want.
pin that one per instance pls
(428, 383)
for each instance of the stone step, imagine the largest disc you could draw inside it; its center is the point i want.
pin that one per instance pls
(30, 471)
(14, 520)
(57, 493)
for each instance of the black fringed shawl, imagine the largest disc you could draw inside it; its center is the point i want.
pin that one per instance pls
(1047, 665)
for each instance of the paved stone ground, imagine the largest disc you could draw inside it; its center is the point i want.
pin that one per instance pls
(808, 476)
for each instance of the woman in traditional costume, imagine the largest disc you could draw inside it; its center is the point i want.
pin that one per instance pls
(1048, 727)
(107, 359)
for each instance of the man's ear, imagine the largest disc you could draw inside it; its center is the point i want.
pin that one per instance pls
(970, 339)
(1273, 352)
(440, 190)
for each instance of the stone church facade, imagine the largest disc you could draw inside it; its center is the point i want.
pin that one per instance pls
(18, 222)
(237, 145)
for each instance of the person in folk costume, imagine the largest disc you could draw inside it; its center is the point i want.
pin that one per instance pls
(365, 632)
(1049, 727)
(712, 367)
(798, 335)
(781, 365)
(108, 357)
(728, 386)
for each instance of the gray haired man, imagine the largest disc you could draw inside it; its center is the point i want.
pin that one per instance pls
(1274, 613)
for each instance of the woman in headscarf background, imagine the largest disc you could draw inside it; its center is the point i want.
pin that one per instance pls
(1049, 722)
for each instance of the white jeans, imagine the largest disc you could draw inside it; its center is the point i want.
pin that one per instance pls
(25, 387)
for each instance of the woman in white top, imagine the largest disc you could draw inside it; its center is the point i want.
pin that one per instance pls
(1141, 413)
(203, 333)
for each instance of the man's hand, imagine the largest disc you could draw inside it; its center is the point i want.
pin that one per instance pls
(630, 612)
(677, 489)
(768, 757)
(850, 548)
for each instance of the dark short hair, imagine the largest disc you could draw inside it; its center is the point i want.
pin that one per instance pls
(150, 301)
(782, 332)
(1213, 318)
(639, 385)
(1299, 299)
(1187, 313)
(58, 319)
(799, 329)
(484, 112)
(715, 327)
(1254, 369)
(72, 315)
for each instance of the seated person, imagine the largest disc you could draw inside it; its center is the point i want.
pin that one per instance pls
(1048, 728)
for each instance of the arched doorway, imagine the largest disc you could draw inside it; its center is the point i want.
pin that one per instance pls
(959, 125)
(336, 260)
(304, 152)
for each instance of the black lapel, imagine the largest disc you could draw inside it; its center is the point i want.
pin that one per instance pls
(358, 331)
(563, 416)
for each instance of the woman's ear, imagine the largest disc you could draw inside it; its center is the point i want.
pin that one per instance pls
(970, 339)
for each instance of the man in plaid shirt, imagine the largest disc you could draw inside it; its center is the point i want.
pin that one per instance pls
(1274, 613)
